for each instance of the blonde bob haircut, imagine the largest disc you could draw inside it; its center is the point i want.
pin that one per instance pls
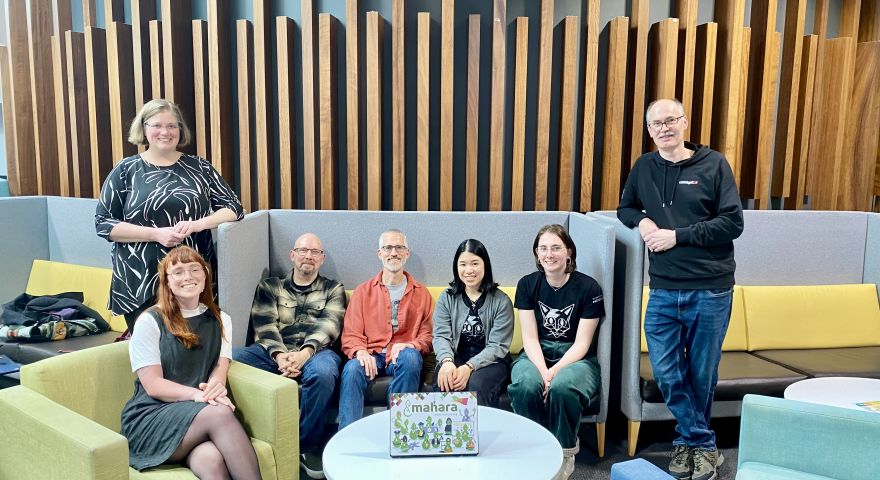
(153, 107)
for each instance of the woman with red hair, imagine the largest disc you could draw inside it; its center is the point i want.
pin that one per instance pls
(180, 351)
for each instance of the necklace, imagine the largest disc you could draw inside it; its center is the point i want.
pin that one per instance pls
(554, 287)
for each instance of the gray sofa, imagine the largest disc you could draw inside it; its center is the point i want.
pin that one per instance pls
(258, 246)
(776, 248)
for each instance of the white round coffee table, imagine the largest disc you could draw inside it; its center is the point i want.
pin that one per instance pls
(511, 446)
(843, 392)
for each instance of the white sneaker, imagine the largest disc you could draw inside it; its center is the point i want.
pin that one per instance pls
(568, 460)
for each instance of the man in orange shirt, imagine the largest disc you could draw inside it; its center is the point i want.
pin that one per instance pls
(386, 330)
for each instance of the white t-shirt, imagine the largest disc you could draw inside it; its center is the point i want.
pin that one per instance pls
(143, 348)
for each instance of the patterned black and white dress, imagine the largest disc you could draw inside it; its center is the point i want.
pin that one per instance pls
(140, 193)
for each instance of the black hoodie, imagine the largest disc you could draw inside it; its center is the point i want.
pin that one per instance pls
(698, 199)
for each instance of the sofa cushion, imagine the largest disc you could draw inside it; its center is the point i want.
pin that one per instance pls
(736, 338)
(49, 278)
(828, 362)
(812, 316)
(739, 373)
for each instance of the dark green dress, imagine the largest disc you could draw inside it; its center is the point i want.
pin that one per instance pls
(154, 428)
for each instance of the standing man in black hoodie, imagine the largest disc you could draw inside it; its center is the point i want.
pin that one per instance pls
(684, 201)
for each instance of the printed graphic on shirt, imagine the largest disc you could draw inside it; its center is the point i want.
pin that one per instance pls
(472, 330)
(557, 321)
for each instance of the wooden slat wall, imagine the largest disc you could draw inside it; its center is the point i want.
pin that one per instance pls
(99, 106)
(615, 106)
(726, 75)
(327, 92)
(284, 32)
(374, 38)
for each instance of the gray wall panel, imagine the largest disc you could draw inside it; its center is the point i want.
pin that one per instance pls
(71, 233)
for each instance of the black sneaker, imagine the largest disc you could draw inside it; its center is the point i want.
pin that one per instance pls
(311, 463)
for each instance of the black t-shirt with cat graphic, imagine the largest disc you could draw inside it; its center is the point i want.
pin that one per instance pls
(558, 311)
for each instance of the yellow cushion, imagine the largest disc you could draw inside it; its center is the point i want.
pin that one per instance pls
(49, 278)
(814, 316)
(516, 343)
(736, 339)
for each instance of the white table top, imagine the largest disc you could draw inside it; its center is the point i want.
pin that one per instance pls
(511, 446)
(837, 391)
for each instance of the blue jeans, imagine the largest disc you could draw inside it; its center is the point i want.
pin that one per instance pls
(684, 330)
(406, 375)
(318, 380)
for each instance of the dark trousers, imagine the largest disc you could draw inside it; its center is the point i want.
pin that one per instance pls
(487, 382)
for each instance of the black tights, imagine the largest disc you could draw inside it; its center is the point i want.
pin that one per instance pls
(217, 447)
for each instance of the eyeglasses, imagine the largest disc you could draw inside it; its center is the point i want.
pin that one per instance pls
(171, 127)
(315, 252)
(391, 248)
(669, 122)
(180, 274)
(543, 249)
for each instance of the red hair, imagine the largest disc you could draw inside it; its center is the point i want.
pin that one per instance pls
(167, 304)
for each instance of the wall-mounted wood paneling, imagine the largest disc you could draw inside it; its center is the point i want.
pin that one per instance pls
(615, 106)
(89, 14)
(202, 128)
(177, 57)
(22, 167)
(220, 88)
(120, 76)
(789, 89)
(374, 38)
(308, 105)
(799, 166)
(81, 160)
(637, 73)
(726, 138)
(99, 107)
(43, 97)
(9, 120)
(473, 111)
(664, 48)
(519, 113)
(353, 101)
(142, 11)
(496, 113)
(284, 33)
(447, 91)
(859, 157)
(157, 64)
(686, 11)
(591, 69)
(704, 83)
(398, 104)
(62, 114)
(545, 79)
(567, 113)
(328, 101)
(244, 47)
(423, 110)
(262, 134)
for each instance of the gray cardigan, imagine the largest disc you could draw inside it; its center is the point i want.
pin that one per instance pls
(450, 313)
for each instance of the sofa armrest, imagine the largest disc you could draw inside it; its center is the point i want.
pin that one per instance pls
(35, 429)
(268, 406)
(821, 440)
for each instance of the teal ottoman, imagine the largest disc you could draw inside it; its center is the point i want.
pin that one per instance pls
(637, 469)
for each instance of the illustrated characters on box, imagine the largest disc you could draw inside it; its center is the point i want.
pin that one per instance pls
(434, 423)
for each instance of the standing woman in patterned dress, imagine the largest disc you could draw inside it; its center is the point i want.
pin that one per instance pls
(156, 200)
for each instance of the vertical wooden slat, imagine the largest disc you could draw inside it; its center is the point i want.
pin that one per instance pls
(591, 62)
(113, 12)
(22, 169)
(157, 65)
(244, 79)
(637, 78)
(43, 96)
(308, 104)
(177, 57)
(59, 80)
(423, 112)
(90, 14)
(789, 88)
(765, 136)
(375, 24)
(799, 166)
(520, 90)
(760, 91)
(284, 32)
(142, 11)
(447, 69)
(398, 105)
(663, 62)
(615, 106)
(352, 104)
(567, 113)
(99, 106)
(740, 116)
(220, 88)
(704, 83)
(496, 122)
(545, 78)
(120, 73)
(850, 10)
(859, 157)
(686, 11)
(869, 21)
(262, 99)
(9, 122)
(201, 91)
(79, 114)
(730, 15)
(327, 82)
(820, 29)
(62, 17)
(835, 94)
(473, 112)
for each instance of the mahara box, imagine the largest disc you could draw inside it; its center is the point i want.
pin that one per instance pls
(433, 424)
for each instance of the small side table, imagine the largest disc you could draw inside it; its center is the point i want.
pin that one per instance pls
(843, 392)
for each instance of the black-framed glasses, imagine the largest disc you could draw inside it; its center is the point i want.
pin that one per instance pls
(315, 252)
(391, 248)
(669, 122)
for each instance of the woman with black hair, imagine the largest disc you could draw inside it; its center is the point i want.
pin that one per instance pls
(473, 327)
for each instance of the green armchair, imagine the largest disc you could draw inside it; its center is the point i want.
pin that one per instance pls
(62, 422)
(786, 439)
